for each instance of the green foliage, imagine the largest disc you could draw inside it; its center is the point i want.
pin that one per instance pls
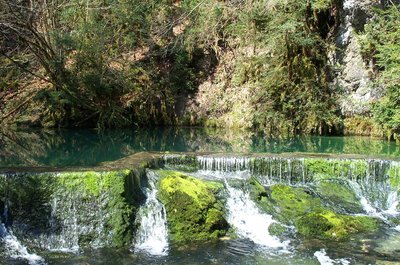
(280, 56)
(9, 75)
(380, 42)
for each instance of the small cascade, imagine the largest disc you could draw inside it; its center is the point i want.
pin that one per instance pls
(324, 259)
(392, 203)
(273, 169)
(249, 222)
(378, 198)
(225, 164)
(152, 235)
(67, 237)
(14, 247)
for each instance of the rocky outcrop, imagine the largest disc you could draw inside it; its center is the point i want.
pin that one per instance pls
(193, 210)
(353, 74)
(302, 208)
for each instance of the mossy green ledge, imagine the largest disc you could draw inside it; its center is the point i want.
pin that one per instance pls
(194, 213)
(302, 208)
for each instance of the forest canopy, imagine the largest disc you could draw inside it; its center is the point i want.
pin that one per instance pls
(120, 63)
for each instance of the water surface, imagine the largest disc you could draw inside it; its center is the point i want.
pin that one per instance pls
(84, 147)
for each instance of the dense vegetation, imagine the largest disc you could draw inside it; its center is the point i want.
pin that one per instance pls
(381, 44)
(121, 63)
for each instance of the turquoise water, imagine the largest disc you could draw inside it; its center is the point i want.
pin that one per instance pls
(85, 147)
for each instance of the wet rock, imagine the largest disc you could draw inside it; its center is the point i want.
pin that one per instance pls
(338, 194)
(311, 218)
(74, 209)
(193, 209)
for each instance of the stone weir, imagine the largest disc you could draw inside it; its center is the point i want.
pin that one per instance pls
(290, 167)
(115, 203)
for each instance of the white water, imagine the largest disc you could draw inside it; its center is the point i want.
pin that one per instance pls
(15, 249)
(152, 236)
(324, 259)
(67, 240)
(249, 223)
(388, 204)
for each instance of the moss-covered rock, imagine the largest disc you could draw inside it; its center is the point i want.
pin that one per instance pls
(70, 209)
(339, 195)
(277, 229)
(327, 224)
(302, 208)
(335, 168)
(193, 210)
(95, 194)
(394, 175)
(291, 202)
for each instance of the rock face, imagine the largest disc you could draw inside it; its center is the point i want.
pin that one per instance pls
(193, 210)
(354, 74)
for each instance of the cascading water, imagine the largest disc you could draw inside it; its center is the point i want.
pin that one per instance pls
(67, 239)
(378, 199)
(152, 236)
(324, 259)
(15, 249)
(249, 222)
(79, 219)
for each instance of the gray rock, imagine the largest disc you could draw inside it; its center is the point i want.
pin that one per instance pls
(353, 73)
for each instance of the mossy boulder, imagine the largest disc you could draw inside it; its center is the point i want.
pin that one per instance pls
(291, 202)
(394, 175)
(339, 195)
(304, 209)
(193, 210)
(327, 224)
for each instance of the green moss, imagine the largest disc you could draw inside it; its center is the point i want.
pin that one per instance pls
(293, 202)
(336, 168)
(394, 175)
(109, 189)
(339, 195)
(313, 224)
(193, 210)
(277, 229)
(328, 224)
(91, 183)
(303, 209)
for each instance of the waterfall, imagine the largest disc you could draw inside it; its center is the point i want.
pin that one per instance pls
(14, 247)
(249, 223)
(152, 236)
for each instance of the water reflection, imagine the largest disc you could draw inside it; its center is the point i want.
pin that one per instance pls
(90, 147)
